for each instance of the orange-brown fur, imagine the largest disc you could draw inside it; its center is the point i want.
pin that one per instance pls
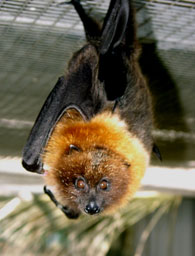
(108, 149)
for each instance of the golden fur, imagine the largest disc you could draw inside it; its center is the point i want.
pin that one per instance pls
(120, 150)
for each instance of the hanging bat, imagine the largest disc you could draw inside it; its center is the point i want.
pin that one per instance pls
(92, 138)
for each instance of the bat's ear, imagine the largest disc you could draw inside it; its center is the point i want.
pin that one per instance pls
(115, 25)
(72, 115)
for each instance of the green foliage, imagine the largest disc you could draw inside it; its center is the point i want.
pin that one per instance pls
(36, 227)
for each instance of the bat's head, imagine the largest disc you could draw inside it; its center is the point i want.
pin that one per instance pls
(93, 179)
(94, 166)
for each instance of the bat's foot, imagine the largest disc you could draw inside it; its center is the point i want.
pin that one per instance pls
(70, 213)
(70, 2)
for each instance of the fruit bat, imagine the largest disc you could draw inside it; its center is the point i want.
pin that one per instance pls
(92, 138)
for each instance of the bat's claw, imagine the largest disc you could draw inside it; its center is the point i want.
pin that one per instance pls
(156, 151)
(47, 191)
(71, 214)
(65, 2)
(70, 2)
(50, 194)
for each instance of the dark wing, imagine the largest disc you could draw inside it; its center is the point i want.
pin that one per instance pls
(81, 89)
(115, 25)
(77, 91)
(53, 108)
(119, 71)
(117, 42)
(114, 43)
(91, 26)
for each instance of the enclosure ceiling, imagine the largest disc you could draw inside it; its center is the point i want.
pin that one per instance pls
(38, 37)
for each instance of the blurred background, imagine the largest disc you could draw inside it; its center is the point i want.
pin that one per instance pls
(37, 38)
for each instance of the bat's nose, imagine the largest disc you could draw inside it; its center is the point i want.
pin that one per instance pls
(92, 208)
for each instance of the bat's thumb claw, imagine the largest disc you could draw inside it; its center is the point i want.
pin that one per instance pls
(73, 2)
(45, 189)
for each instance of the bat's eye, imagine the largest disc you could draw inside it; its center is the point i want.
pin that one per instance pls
(80, 183)
(73, 148)
(104, 184)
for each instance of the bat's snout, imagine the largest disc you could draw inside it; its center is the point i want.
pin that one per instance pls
(92, 208)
